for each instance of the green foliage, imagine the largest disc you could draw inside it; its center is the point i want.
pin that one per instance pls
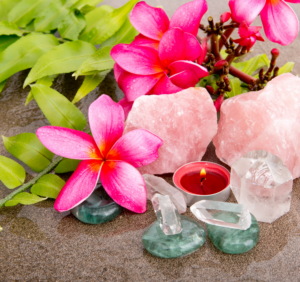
(24, 198)
(288, 67)
(235, 85)
(27, 148)
(6, 6)
(12, 174)
(67, 165)
(7, 28)
(57, 108)
(6, 41)
(252, 65)
(48, 186)
(2, 84)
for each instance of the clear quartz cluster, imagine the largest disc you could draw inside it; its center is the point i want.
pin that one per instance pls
(205, 210)
(167, 214)
(262, 182)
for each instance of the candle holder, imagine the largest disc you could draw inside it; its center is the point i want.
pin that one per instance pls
(203, 181)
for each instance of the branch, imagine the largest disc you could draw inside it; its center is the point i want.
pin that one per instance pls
(241, 75)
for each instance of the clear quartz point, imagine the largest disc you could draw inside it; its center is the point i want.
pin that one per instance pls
(205, 210)
(167, 214)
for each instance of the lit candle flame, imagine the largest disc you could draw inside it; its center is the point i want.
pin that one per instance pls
(202, 172)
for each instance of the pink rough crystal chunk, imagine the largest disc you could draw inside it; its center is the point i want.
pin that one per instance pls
(264, 120)
(185, 121)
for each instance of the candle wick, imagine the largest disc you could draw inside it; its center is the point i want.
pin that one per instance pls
(202, 179)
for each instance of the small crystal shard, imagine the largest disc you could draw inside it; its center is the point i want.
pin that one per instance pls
(185, 121)
(159, 185)
(262, 182)
(167, 214)
(205, 210)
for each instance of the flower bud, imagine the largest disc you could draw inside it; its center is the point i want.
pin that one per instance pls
(275, 52)
(225, 17)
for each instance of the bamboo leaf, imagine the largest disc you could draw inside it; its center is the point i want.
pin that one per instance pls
(72, 25)
(67, 165)
(7, 40)
(93, 18)
(288, 67)
(24, 198)
(110, 24)
(48, 186)
(47, 81)
(24, 53)
(89, 84)
(27, 148)
(98, 62)
(57, 108)
(26, 10)
(6, 6)
(12, 174)
(64, 58)
(7, 28)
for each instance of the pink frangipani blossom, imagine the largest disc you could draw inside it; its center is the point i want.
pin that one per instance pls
(107, 155)
(280, 22)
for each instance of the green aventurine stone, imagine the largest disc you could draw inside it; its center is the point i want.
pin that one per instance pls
(233, 241)
(190, 239)
(98, 208)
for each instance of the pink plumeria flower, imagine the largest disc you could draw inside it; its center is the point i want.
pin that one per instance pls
(107, 155)
(280, 22)
(249, 35)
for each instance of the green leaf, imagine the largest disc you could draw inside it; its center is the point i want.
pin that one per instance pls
(100, 61)
(24, 198)
(55, 13)
(235, 85)
(7, 40)
(26, 10)
(89, 84)
(12, 174)
(7, 28)
(67, 165)
(47, 81)
(24, 53)
(72, 25)
(109, 24)
(48, 186)
(288, 67)
(64, 58)
(93, 18)
(6, 6)
(27, 148)
(81, 3)
(125, 34)
(2, 84)
(57, 108)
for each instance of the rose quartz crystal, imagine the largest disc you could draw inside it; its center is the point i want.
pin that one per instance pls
(185, 121)
(265, 120)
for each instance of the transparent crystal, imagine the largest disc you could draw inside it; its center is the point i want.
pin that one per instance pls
(205, 210)
(262, 182)
(167, 214)
(159, 185)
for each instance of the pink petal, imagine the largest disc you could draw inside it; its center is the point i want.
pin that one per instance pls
(149, 21)
(134, 85)
(181, 66)
(218, 103)
(184, 79)
(171, 47)
(68, 143)
(293, 1)
(225, 17)
(243, 41)
(138, 147)
(252, 42)
(141, 40)
(79, 186)
(189, 15)
(246, 10)
(193, 48)
(165, 86)
(117, 71)
(107, 122)
(137, 59)
(280, 22)
(254, 29)
(126, 106)
(201, 59)
(244, 30)
(259, 37)
(125, 185)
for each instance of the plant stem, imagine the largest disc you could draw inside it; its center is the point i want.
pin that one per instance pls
(241, 75)
(227, 34)
(24, 187)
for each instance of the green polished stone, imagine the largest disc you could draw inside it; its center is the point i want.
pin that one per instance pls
(233, 241)
(98, 208)
(189, 240)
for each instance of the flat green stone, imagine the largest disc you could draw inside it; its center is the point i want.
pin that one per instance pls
(189, 240)
(98, 208)
(233, 241)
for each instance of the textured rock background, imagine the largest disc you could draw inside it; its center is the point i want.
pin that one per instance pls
(39, 244)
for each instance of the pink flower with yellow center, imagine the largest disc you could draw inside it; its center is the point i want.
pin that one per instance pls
(280, 22)
(107, 155)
